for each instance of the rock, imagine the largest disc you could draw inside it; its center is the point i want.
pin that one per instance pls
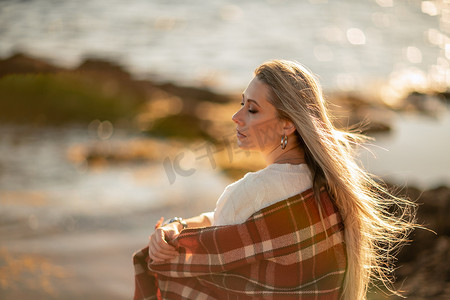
(428, 277)
(356, 112)
(429, 104)
(93, 88)
(423, 265)
(22, 64)
(444, 96)
(197, 94)
(103, 66)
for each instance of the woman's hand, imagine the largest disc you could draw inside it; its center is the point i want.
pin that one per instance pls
(158, 247)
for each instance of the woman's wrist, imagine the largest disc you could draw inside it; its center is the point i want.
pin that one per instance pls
(181, 224)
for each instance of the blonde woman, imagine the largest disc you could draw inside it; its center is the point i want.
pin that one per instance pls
(311, 225)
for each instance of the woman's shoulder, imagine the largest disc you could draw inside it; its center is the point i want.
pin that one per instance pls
(239, 199)
(246, 186)
(249, 179)
(257, 190)
(270, 176)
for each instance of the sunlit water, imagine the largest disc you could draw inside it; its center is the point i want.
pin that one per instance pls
(349, 44)
(416, 153)
(38, 181)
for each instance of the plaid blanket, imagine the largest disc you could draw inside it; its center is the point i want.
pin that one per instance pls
(283, 251)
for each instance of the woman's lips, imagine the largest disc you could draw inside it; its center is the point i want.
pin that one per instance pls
(239, 134)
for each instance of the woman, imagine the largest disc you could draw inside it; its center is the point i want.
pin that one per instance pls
(312, 198)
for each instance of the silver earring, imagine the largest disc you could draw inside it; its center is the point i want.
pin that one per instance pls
(284, 141)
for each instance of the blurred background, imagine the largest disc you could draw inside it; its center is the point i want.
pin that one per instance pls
(113, 114)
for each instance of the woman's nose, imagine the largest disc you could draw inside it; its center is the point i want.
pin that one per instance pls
(236, 118)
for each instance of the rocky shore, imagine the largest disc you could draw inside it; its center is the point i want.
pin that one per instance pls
(423, 271)
(37, 92)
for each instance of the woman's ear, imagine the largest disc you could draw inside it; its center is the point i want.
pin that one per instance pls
(288, 127)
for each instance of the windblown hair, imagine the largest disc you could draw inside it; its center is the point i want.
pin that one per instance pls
(376, 222)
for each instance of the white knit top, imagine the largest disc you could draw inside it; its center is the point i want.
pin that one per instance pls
(257, 190)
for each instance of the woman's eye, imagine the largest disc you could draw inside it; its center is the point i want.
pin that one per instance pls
(250, 110)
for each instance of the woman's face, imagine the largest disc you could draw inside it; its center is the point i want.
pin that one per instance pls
(258, 127)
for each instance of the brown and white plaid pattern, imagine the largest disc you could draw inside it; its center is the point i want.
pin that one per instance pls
(284, 251)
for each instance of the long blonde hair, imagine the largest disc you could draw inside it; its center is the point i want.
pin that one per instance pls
(376, 222)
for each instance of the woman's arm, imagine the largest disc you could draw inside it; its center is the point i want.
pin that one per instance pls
(198, 221)
(159, 248)
(291, 230)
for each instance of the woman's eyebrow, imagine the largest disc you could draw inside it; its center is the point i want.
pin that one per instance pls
(254, 101)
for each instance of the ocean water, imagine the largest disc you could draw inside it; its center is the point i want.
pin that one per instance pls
(36, 173)
(349, 44)
(415, 153)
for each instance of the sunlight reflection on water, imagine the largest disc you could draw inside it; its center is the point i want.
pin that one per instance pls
(219, 43)
(35, 174)
(416, 152)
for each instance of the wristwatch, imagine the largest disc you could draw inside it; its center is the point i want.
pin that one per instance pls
(179, 220)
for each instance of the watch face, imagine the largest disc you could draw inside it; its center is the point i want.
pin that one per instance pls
(179, 220)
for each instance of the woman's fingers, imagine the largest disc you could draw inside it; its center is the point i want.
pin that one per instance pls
(160, 238)
(159, 249)
(158, 256)
(161, 243)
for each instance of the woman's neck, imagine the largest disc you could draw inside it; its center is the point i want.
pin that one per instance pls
(290, 155)
(292, 161)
